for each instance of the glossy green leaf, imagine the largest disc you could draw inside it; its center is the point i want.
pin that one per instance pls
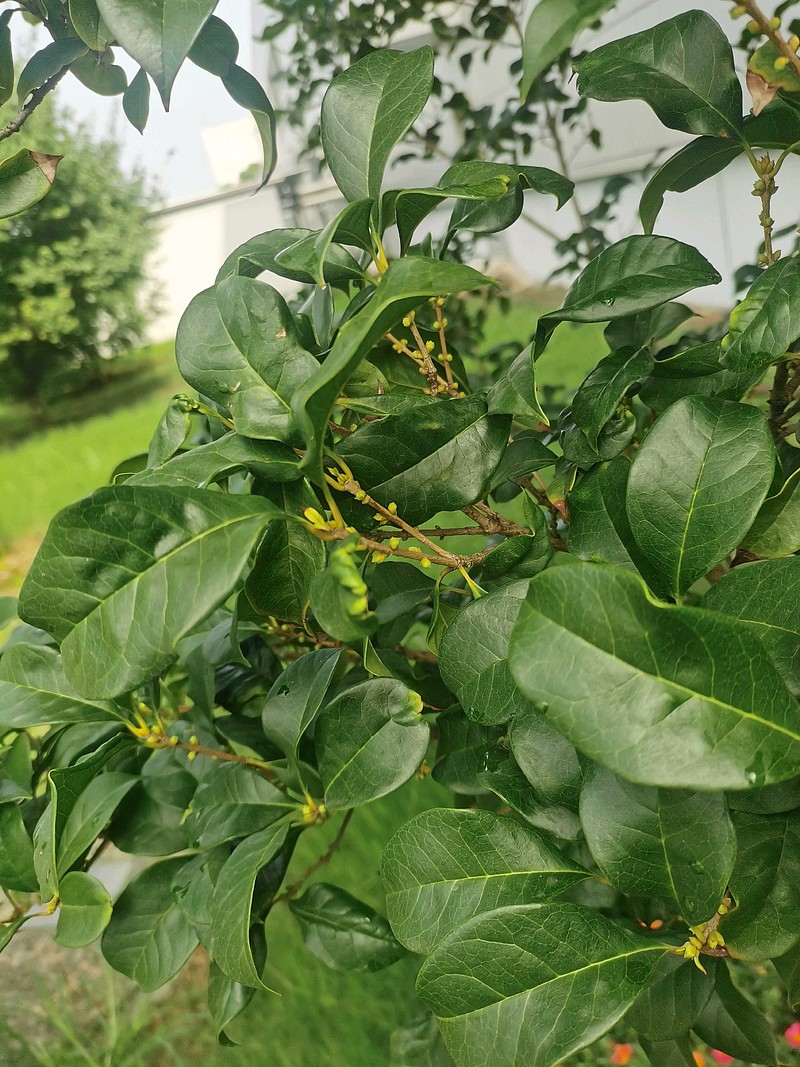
(446, 866)
(767, 321)
(418, 1044)
(524, 454)
(25, 178)
(126, 546)
(232, 905)
(517, 557)
(765, 886)
(514, 393)
(502, 776)
(766, 596)
(551, 28)
(673, 1001)
(260, 254)
(87, 816)
(6, 60)
(136, 101)
(526, 1000)
(599, 531)
(170, 434)
(232, 801)
(435, 458)
(367, 109)
(15, 771)
(648, 678)
(237, 344)
(343, 932)
(247, 92)
(696, 486)
(216, 48)
(664, 843)
(645, 327)
(473, 657)
(158, 34)
(226, 1001)
(35, 692)
(776, 530)
(352, 226)
(697, 371)
(683, 68)
(88, 24)
(788, 968)
(547, 759)
(462, 748)
(296, 696)
(269, 461)
(406, 208)
(46, 63)
(149, 939)
(17, 871)
(731, 1023)
(599, 395)
(369, 740)
(405, 284)
(635, 274)
(499, 213)
(193, 889)
(84, 910)
(677, 1053)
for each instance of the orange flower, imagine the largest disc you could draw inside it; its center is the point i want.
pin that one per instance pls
(699, 1059)
(621, 1055)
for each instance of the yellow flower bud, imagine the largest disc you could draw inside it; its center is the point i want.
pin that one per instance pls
(425, 562)
(781, 63)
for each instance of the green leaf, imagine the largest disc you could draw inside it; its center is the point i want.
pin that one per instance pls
(473, 657)
(288, 559)
(343, 932)
(776, 530)
(405, 284)
(524, 454)
(683, 68)
(232, 801)
(765, 886)
(696, 486)
(600, 394)
(512, 987)
(462, 748)
(367, 110)
(551, 28)
(171, 433)
(677, 1053)
(446, 866)
(418, 1044)
(231, 913)
(352, 226)
(87, 814)
(25, 178)
(110, 572)
(339, 597)
(136, 100)
(247, 92)
(664, 843)
(673, 1001)
(149, 939)
(369, 740)
(765, 596)
(216, 48)
(17, 871)
(439, 457)
(599, 531)
(653, 678)
(35, 692)
(6, 59)
(514, 393)
(788, 968)
(269, 461)
(767, 321)
(15, 771)
(633, 275)
(46, 63)
(547, 759)
(237, 344)
(296, 696)
(226, 1001)
(641, 330)
(158, 34)
(408, 207)
(88, 25)
(260, 254)
(499, 213)
(697, 371)
(84, 910)
(732, 1024)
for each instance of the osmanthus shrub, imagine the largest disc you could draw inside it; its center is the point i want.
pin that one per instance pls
(360, 569)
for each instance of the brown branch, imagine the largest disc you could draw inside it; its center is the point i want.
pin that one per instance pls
(36, 97)
(773, 32)
(291, 891)
(784, 386)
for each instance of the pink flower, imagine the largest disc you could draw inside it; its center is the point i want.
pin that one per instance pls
(621, 1055)
(792, 1035)
(721, 1057)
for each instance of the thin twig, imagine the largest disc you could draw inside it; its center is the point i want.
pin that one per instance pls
(773, 32)
(291, 891)
(36, 97)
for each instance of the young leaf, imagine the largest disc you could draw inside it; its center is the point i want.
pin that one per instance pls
(261, 253)
(765, 595)
(683, 68)
(696, 486)
(84, 910)
(369, 740)
(125, 547)
(17, 870)
(776, 530)
(446, 866)
(232, 801)
(88, 24)
(87, 814)
(515, 392)
(473, 657)
(600, 393)
(367, 110)
(511, 987)
(439, 457)
(343, 932)
(635, 274)
(767, 321)
(653, 678)
(551, 28)
(499, 213)
(25, 178)
(663, 843)
(731, 1023)
(47, 62)
(34, 691)
(232, 905)
(149, 939)
(158, 34)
